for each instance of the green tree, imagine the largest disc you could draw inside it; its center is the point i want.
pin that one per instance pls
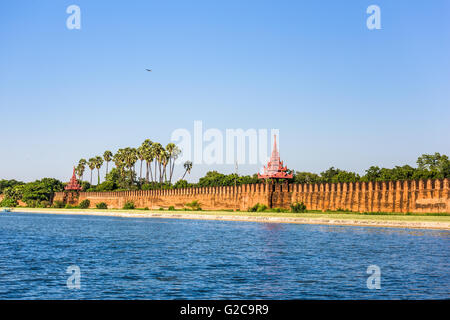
(328, 175)
(158, 151)
(81, 167)
(173, 152)
(91, 164)
(98, 165)
(141, 153)
(213, 179)
(164, 160)
(148, 157)
(79, 170)
(107, 156)
(181, 184)
(249, 179)
(438, 164)
(116, 180)
(119, 160)
(41, 190)
(8, 184)
(12, 194)
(306, 177)
(130, 159)
(345, 176)
(187, 168)
(333, 175)
(372, 174)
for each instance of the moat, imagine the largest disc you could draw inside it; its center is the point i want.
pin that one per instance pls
(138, 258)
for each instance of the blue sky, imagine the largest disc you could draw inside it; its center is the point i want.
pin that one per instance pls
(340, 94)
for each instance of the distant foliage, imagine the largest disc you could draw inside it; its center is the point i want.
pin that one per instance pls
(171, 208)
(85, 185)
(4, 184)
(156, 186)
(106, 186)
(84, 204)
(123, 177)
(298, 207)
(182, 184)
(129, 205)
(216, 179)
(434, 166)
(101, 205)
(40, 190)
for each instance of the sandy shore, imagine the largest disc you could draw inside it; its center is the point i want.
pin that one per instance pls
(366, 221)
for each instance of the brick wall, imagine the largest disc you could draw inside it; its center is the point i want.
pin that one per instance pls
(210, 198)
(399, 196)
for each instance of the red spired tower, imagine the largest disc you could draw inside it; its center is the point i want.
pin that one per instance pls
(71, 191)
(73, 184)
(274, 168)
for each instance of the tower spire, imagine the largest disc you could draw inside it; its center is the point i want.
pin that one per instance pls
(73, 183)
(274, 168)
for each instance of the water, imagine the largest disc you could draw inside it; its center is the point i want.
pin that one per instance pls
(139, 258)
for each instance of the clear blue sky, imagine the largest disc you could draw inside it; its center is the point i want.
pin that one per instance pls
(341, 95)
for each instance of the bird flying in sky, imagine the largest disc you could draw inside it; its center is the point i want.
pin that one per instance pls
(150, 70)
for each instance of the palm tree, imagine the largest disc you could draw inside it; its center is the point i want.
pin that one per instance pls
(119, 160)
(174, 152)
(79, 170)
(157, 150)
(147, 150)
(154, 157)
(81, 167)
(130, 160)
(98, 165)
(164, 161)
(91, 164)
(187, 166)
(141, 156)
(107, 155)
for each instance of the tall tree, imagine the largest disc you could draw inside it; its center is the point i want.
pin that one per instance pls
(187, 167)
(91, 164)
(438, 164)
(141, 156)
(163, 161)
(119, 161)
(158, 150)
(130, 160)
(98, 165)
(173, 152)
(79, 170)
(148, 157)
(107, 155)
(82, 166)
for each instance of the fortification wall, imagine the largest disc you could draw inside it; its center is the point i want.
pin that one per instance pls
(210, 198)
(399, 196)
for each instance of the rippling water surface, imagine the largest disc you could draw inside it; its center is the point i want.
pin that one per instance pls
(141, 258)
